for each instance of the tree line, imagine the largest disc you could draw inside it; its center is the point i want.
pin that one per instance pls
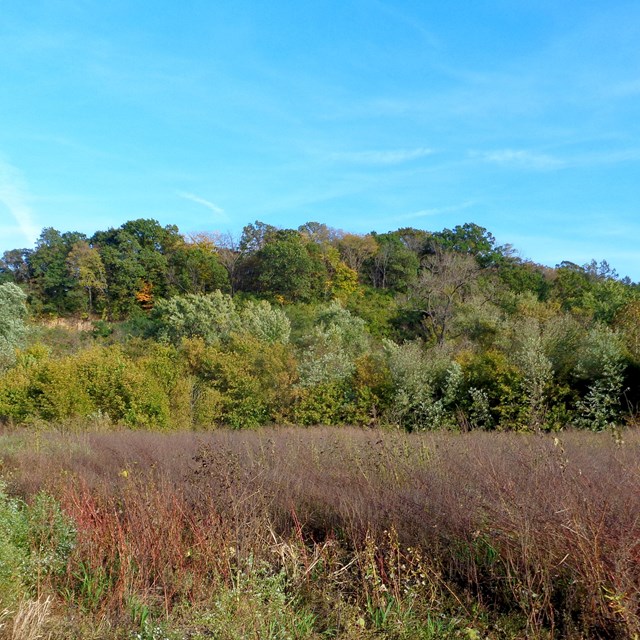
(414, 328)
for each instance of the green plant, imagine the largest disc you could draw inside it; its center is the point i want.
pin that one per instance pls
(265, 322)
(427, 385)
(49, 537)
(139, 611)
(601, 361)
(258, 606)
(36, 541)
(212, 317)
(90, 585)
(13, 312)
(330, 351)
(12, 556)
(102, 329)
(152, 631)
(381, 614)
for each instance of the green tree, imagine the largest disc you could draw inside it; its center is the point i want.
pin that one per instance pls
(136, 256)
(427, 386)
(290, 269)
(243, 383)
(627, 323)
(522, 276)
(211, 317)
(50, 280)
(330, 351)
(445, 282)
(319, 233)
(601, 365)
(14, 266)
(470, 239)
(86, 268)
(571, 284)
(195, 266)
(536, 368)
(13, 312)
(415, 240)
(592, 291)
(215, 317)
(255, 236)
(393, 266)
(265, 322)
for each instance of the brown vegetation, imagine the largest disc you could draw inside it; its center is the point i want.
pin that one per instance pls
(541, 531)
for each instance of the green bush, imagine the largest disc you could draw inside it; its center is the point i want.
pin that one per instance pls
(330, 350)
(47, 537)
(601, 363)
(248, 383)
(258, 605)
(215, 316)
(212, 317)
(501, 383)
(98, 380)
(427, 387)
(12, 327)
(265, 322)
(36, 541)
(321, 404)
(12, 557)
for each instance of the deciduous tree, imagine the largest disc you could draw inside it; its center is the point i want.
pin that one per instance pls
(445, 281)
(87, 269)
(13, 312)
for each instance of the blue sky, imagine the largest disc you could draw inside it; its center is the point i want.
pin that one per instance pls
(522, 116)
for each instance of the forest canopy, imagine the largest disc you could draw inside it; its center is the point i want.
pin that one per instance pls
(411, 328)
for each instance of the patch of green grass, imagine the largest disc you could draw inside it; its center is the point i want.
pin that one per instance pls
(258, 605)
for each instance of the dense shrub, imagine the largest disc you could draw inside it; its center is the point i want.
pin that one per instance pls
(329, 352)
(428, 387)
(36, 541)
(100, 380)
(247, 384)
(12, 326)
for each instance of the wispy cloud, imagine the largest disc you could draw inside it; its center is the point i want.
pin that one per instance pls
(526, 159)
(382, 157)
(218, 211)
(15, 197)
(401, 218)
(391, 10)
(436, 211)
(520, 159)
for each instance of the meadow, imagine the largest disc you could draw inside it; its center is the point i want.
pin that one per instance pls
(319, 533)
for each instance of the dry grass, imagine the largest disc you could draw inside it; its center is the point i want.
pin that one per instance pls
(546, 529)
(29, 621)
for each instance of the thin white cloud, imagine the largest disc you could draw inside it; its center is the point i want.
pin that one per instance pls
(424, 213)
(525, 159)
(378, 157)
(391, 10)
(15, 197)
(401, 218)
(520, 158)
(219, 211)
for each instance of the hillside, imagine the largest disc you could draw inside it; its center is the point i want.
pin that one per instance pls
(412, 328)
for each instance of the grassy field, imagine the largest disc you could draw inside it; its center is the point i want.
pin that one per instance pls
(319, 533)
